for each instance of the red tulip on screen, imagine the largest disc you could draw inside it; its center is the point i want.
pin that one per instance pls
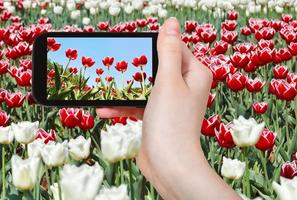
(121, 66)
(52, 45)
(71, 54)
(266, 141)
(138, 76)
(99, 71)
(107, 61)
(109, 78)
(224, 136)
(87, 61)
(140, 61)
(73, 70)
(46, 136)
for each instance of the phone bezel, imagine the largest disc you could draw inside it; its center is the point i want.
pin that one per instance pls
(39, 72)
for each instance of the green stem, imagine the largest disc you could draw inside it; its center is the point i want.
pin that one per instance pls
(122, 171)
(131, 179)
(3, 173)
(247, 174)
(143, 82)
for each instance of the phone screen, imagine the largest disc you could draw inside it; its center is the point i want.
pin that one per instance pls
(97, 68)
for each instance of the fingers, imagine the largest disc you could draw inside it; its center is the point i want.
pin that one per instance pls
(195, 74)
(169, 52)
(120, 112)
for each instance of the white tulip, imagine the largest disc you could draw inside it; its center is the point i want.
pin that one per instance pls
(137, 5)
(121, 141)
(128, 9)
(86, 21)
(35, 147)
(232, 169)
(6, 135)
(25, 132)
(113, 193)
(114, 10)
(43, 11)
(103, 5)
(79, 148)
(162, 13)
(246, 198)
(54, 154)
(93, 11)
(279, 9)
(27, 4)
(71, 5)
(287, 189)
(246, 132)
(58, 10)
(24, 172)
(79, 183)
(75, 14)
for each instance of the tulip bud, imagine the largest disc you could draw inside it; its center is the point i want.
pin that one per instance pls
(224, 136)
(54, 154)
(6, 135)
(260, 107)
(25, 132)
(266, 141)
(289, 170)
(79, 148)
(232, 169)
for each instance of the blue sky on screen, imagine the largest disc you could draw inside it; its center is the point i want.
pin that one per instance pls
(98, 48)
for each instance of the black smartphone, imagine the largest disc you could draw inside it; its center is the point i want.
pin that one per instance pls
(76, 69)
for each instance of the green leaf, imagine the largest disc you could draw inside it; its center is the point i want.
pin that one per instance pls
(57, 78)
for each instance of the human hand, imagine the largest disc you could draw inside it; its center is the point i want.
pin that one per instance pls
(171, 157)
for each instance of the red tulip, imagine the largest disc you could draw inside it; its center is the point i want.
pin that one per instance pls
(87, 121)
(254, 85)
(266, 140)
(51, 73)
(292, 78)
(87, 61)
(246, 31)
(289, 169)
(109, 78)
(150, 78)
(3, 67)
(220, 47)
(224, 136)
(3, 93)
(244, 47)
(280, 72)
(287, 18)
(250, 67)
(138, 76)
(141, 23)
(26, 64)
(265, 33)
(73, 70)
(236, 82)
(30, 99)
(210, 100)
(131, 26)
(14, 100)
(107, 61)
(285, 91)
(266, 43)
(4, 118)
(232, 15)
(230, 36)
(140, 61)
(70, 117)
(190, 26)
(154, 27)
(208, 35)
(103, 26)
(45, 136)
(220, 72)
(71, 54)
(260, 107)
(229, 25)
(152, 20)
(99, 71)
(122, 120)
(121, 66)
(239, 60)
(23, 78)
(210, 125)
(97, 80)
(293, 48)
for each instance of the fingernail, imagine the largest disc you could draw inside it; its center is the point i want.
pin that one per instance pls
(172, 26)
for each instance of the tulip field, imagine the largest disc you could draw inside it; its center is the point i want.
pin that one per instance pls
(249, 134)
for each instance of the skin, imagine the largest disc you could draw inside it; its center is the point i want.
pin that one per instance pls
(171, 157)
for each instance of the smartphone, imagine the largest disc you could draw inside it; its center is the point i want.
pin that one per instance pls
(77, 69)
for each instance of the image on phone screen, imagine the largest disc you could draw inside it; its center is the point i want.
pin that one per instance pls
(90, 68)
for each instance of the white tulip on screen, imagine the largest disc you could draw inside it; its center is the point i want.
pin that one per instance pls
(113, 193)
(6, 135)
(246, 132)
(79, 183)
(121, 141)
(287, 189)
(232, 169)
(24, 172)
(79, 148)
(54, 154)
(35, 147)
(25, 132)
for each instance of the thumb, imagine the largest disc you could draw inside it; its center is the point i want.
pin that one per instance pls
(169, 52)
